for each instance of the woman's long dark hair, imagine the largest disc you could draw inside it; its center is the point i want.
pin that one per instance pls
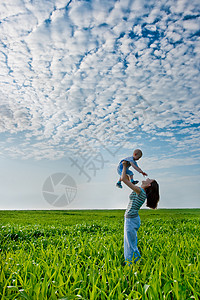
(152, 193)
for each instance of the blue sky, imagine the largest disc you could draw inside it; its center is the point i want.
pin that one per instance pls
(90, 81)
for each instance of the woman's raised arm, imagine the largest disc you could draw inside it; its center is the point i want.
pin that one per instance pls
(125, 179)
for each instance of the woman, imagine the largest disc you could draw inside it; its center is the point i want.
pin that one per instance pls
(149, 190)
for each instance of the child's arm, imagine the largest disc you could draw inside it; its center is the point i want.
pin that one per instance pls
(138, 169)
(125, 179)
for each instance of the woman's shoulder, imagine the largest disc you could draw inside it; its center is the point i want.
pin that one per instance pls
(141, 194)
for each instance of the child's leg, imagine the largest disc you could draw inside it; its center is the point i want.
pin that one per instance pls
(130, 173)
(119, 183)
(134, 181)
(119, 171)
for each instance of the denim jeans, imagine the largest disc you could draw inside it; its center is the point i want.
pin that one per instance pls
(120, 168)
(131, 226)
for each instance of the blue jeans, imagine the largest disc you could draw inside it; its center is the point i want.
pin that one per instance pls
(120, 168)
(131, 226)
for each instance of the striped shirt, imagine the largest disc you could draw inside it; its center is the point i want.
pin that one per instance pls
(135, 202)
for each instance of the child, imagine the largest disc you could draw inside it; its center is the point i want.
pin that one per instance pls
(131, 161)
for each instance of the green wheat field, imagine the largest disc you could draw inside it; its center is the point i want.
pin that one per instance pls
(79, 255)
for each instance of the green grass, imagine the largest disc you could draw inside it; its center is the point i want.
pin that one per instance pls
(79, 255)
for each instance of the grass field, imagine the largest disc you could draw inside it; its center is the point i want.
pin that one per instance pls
(79, 255)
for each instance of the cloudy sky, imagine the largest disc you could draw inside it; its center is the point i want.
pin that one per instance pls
(84, 83)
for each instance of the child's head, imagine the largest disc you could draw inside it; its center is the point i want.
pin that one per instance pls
(137, 154)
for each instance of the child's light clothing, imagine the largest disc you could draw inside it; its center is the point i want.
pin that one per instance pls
(120, 166)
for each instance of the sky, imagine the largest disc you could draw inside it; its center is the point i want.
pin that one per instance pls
(83, 84)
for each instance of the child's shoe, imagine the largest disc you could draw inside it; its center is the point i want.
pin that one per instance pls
(119, 185)
(134, 181)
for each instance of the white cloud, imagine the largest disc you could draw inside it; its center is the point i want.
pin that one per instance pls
(169, 162)
(67, 69)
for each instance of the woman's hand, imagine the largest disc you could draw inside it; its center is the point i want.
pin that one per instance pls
(124, 163)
